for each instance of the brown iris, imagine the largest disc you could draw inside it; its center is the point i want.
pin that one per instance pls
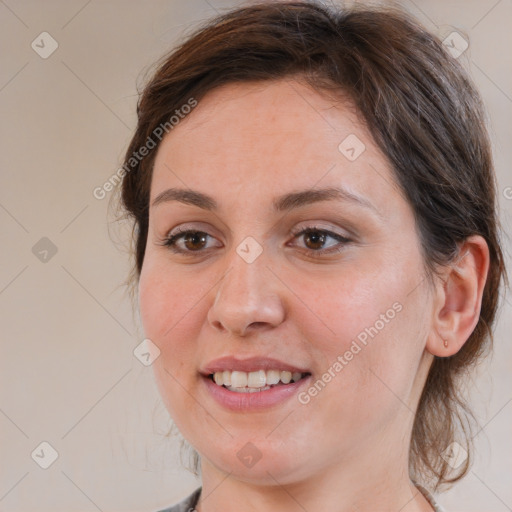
(195, 241)
(314, 239)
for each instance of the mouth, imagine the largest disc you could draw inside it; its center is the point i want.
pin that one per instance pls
(253, 384)
(255, 381)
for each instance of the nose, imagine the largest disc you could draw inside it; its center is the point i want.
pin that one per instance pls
(248, 298)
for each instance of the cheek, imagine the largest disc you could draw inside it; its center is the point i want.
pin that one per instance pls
(368, 317)
(340, 303)
(170, 318)
(169, 311)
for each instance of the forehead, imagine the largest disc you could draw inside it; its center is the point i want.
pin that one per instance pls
(269, 138)
(263, 119)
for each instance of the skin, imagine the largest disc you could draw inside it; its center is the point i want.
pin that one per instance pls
(346, 449)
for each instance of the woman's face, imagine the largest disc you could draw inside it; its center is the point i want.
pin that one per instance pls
(346, 302)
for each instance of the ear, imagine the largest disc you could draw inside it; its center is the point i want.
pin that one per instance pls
(458, 298)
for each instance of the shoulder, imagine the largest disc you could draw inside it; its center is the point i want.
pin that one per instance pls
(186, 505)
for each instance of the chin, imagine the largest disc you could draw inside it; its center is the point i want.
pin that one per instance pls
(260, 466)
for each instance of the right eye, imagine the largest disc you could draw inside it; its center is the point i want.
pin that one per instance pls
(187, 241)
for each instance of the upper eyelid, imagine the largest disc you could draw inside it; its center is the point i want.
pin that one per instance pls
(295, 231)
(184, 228)
(316, 227)
(196, 226)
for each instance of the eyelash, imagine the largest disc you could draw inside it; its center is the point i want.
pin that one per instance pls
(170, 242)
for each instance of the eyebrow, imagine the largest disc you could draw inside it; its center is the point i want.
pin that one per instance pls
(282, 203)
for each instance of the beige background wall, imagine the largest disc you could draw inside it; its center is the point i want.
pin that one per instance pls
(67, 372)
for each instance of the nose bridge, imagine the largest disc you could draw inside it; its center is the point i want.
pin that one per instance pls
(246, 295)
(244, 284)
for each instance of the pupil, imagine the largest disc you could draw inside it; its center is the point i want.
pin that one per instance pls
(191, 239)
(316, 238)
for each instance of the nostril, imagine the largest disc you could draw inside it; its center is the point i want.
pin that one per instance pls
(257, 325)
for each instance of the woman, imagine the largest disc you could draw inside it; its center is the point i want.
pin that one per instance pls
(316, 255)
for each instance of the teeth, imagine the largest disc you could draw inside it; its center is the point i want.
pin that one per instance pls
(249, 382)
(238, 379)
(257, 379)
(273, 376)
(247, 390)
(286, 377)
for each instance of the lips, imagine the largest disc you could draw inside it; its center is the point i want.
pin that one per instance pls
(251, 364)
(244, 401)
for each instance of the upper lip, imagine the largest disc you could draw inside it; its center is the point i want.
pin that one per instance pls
(250, 364)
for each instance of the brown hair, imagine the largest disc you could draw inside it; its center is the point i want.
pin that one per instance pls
(424, 114)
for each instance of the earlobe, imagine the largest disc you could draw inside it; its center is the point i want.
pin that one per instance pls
(458, 298)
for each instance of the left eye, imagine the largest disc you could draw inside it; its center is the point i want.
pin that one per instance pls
(315, 240)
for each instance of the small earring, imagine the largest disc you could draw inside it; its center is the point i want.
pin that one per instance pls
(445, 343)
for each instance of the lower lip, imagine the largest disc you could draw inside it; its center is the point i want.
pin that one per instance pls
(242, 402)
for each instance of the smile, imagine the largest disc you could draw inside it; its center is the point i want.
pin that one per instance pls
(255, 381)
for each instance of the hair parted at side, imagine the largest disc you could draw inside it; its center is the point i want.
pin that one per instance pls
(423, 112)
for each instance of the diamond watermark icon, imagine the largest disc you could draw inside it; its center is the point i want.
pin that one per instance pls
(455, 44)
(146, 352)
(44, 45)
(249, 455)
(249, 249)
(351, 147)
(44, 250)
(454, 455)
(45, 455)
